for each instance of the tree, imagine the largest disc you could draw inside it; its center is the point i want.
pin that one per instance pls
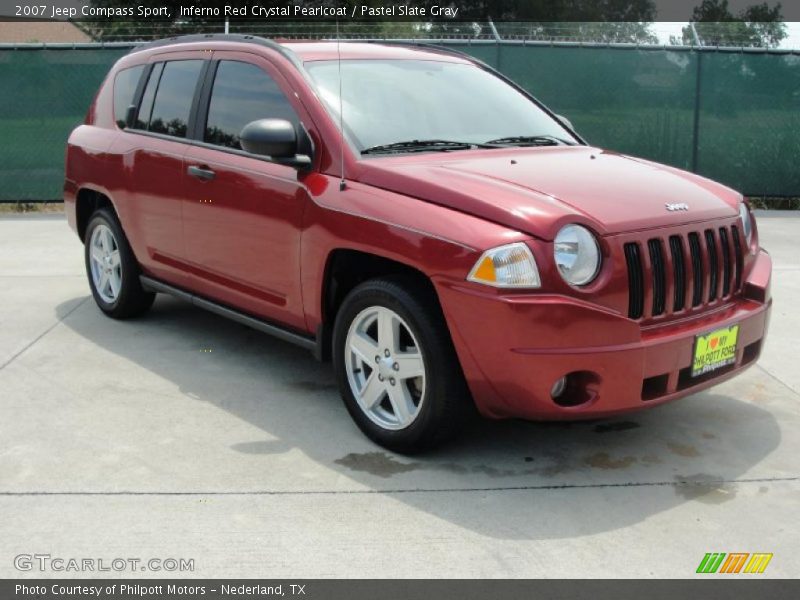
(757, 26)
(589, 20)
(583, 20)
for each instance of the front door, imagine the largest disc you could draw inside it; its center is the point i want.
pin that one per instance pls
(242, 215)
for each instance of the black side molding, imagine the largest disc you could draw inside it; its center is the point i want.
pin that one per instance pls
(307, 342)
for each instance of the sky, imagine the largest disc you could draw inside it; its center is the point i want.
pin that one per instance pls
(664, 30)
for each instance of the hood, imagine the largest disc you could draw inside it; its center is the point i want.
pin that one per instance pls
(539, 190)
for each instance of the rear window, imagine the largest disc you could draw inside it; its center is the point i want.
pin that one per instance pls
(173, 101)
(125, 85)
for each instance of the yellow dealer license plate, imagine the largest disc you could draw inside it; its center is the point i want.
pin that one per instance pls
(715, 350)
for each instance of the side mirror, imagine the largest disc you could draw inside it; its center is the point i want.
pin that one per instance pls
(275, 138)
(565, 122)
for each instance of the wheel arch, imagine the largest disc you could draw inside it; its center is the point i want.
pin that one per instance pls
(87, 201)
(345, 268)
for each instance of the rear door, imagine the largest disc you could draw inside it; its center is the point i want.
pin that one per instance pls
(155, 163)
(242, 215)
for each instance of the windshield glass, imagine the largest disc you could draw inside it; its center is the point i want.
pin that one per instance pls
(390, 101)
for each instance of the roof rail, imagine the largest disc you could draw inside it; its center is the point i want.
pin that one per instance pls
(206, 37)
(221, 37)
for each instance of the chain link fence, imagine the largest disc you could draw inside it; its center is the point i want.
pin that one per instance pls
(730, 114)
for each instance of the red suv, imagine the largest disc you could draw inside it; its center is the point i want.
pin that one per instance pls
(419, 218)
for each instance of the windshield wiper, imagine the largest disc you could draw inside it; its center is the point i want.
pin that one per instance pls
(422, 146)
(530, 140)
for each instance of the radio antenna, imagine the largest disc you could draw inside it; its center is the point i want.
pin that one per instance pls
(342, 184)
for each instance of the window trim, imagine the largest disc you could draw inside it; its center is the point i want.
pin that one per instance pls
(300, 161)
(204, 102)
(202, 82)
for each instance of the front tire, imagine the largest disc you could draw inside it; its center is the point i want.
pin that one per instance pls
(396, 367)
(112, 268)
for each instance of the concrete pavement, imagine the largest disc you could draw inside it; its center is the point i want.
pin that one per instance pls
(183, 435)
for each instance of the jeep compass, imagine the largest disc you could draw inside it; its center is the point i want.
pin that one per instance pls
(420, 220)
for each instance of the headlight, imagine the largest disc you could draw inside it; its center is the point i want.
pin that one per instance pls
(510, 266)
(577, 255)
(747, 223)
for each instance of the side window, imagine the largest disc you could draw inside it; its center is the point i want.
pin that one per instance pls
(242, 93)
(146, 105)
(174, 96)
(125, 84)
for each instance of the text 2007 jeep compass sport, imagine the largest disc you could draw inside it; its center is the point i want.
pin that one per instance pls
(419, 218)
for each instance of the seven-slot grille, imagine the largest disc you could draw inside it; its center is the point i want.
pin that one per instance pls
(672, 273)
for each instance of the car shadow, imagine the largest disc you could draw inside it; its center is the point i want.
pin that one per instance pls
(521, 480)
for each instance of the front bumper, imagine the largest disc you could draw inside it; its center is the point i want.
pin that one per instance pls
(512, 348)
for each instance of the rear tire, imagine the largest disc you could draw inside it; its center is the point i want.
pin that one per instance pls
(396, 367)
(112, 268)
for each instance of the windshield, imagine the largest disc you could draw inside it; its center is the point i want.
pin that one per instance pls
(391, 101)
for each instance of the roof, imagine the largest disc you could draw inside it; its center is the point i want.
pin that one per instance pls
(330, 50)
(316, 50)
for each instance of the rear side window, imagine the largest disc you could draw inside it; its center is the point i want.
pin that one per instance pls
(173, 100)
(125, 84)
(242, 93)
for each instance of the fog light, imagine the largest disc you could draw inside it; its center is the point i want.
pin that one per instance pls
(575, 389)
(558, 387)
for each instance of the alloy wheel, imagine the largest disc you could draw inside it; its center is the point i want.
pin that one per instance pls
(385, 368)
(105, 263)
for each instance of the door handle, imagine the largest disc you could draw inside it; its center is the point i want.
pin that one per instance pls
(205, 174)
